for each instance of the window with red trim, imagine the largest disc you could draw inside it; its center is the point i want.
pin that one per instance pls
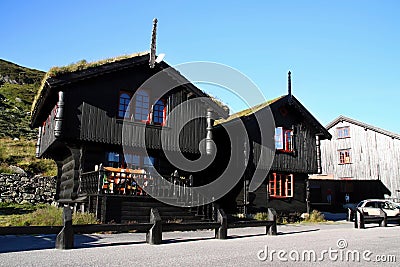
(159, 112)
(280, 185)
(343, 132)
(44, 127)
(344, 156)
(123, 107)
(142, 102)
(284, 139)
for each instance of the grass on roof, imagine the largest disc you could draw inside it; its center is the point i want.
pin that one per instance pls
(78, 66)
(247, 112)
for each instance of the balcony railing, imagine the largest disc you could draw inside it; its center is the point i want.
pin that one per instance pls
(138, 182)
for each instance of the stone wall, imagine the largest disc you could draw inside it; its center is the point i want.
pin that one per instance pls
(19, 188)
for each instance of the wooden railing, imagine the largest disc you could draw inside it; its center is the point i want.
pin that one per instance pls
(134, 182)
(113, 181)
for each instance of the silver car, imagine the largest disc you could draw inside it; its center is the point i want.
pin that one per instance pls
(372, 207)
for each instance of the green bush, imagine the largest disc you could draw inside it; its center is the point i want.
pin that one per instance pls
(315, 216)
(261, 216)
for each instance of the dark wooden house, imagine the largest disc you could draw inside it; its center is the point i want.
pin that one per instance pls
(81, 112)
(296, 144)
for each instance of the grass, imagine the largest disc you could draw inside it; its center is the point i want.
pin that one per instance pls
(38, 215)
(78, 66)
(314, 217)
(21, 153)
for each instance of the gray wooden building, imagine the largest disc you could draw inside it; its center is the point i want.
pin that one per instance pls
(359, 152)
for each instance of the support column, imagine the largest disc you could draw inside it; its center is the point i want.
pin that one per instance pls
(272, 230)
(65, 239)
(60, 115)
(210, 149)
(222, 231)
(154, 235)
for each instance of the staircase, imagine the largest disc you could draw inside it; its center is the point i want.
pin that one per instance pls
(131, 209)
(138, 210)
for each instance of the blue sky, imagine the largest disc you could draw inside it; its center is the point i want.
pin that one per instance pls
(344, 55)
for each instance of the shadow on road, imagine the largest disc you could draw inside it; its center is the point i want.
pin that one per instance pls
(298, 232)
(15, 243)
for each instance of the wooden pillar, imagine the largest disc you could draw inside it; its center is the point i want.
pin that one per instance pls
(209, 137)
(65, 239)
(318, 148)
(383, 215)
(308, 195)
(60, 115)
(154, 235)
(359, 222)
(272, 230)
(222, 231)
(103, 209)
(349, 214)
(39, 142)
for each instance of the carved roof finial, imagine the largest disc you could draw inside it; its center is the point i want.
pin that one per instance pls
(289, 84)
(153, 44)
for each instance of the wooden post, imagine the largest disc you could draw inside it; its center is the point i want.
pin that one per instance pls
(103, 209)
(359, 222)
(222, 231)
(65, 239)
(349, 214)
(383, 214)
(154, 235)
(272, 230)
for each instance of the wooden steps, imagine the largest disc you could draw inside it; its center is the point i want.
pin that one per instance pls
(139, 211)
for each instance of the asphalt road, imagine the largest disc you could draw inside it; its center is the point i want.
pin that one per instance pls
(335, 244)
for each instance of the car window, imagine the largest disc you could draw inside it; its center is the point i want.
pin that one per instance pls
(360, 204)
(370, 204)
(390, 205)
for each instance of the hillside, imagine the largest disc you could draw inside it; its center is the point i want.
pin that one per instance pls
(18, 86)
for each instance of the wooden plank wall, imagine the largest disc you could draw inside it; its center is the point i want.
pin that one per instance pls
(97, 126)
(374, 156)
(47, 137)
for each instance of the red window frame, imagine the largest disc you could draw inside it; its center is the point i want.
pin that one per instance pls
(280, 185)
(343, 132)
(284, 139)
(159, 112)
(124, 110)
(142, 106)
(344, 156)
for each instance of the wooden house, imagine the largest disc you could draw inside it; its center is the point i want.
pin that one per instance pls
(295, 143)
(81, 110)
(361, 160)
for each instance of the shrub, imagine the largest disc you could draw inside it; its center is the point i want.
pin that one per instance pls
(315, 216)
(261, 216)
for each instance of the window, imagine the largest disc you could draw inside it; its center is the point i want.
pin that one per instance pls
(344, 156)
(343, 132)
(159, 112)
(114, 160)
(131, 161)
(141, 105)
(123, 109)
(284, 139)
(280, 185)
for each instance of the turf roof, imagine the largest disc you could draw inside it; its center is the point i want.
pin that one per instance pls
(249, 111)
(55, 72)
